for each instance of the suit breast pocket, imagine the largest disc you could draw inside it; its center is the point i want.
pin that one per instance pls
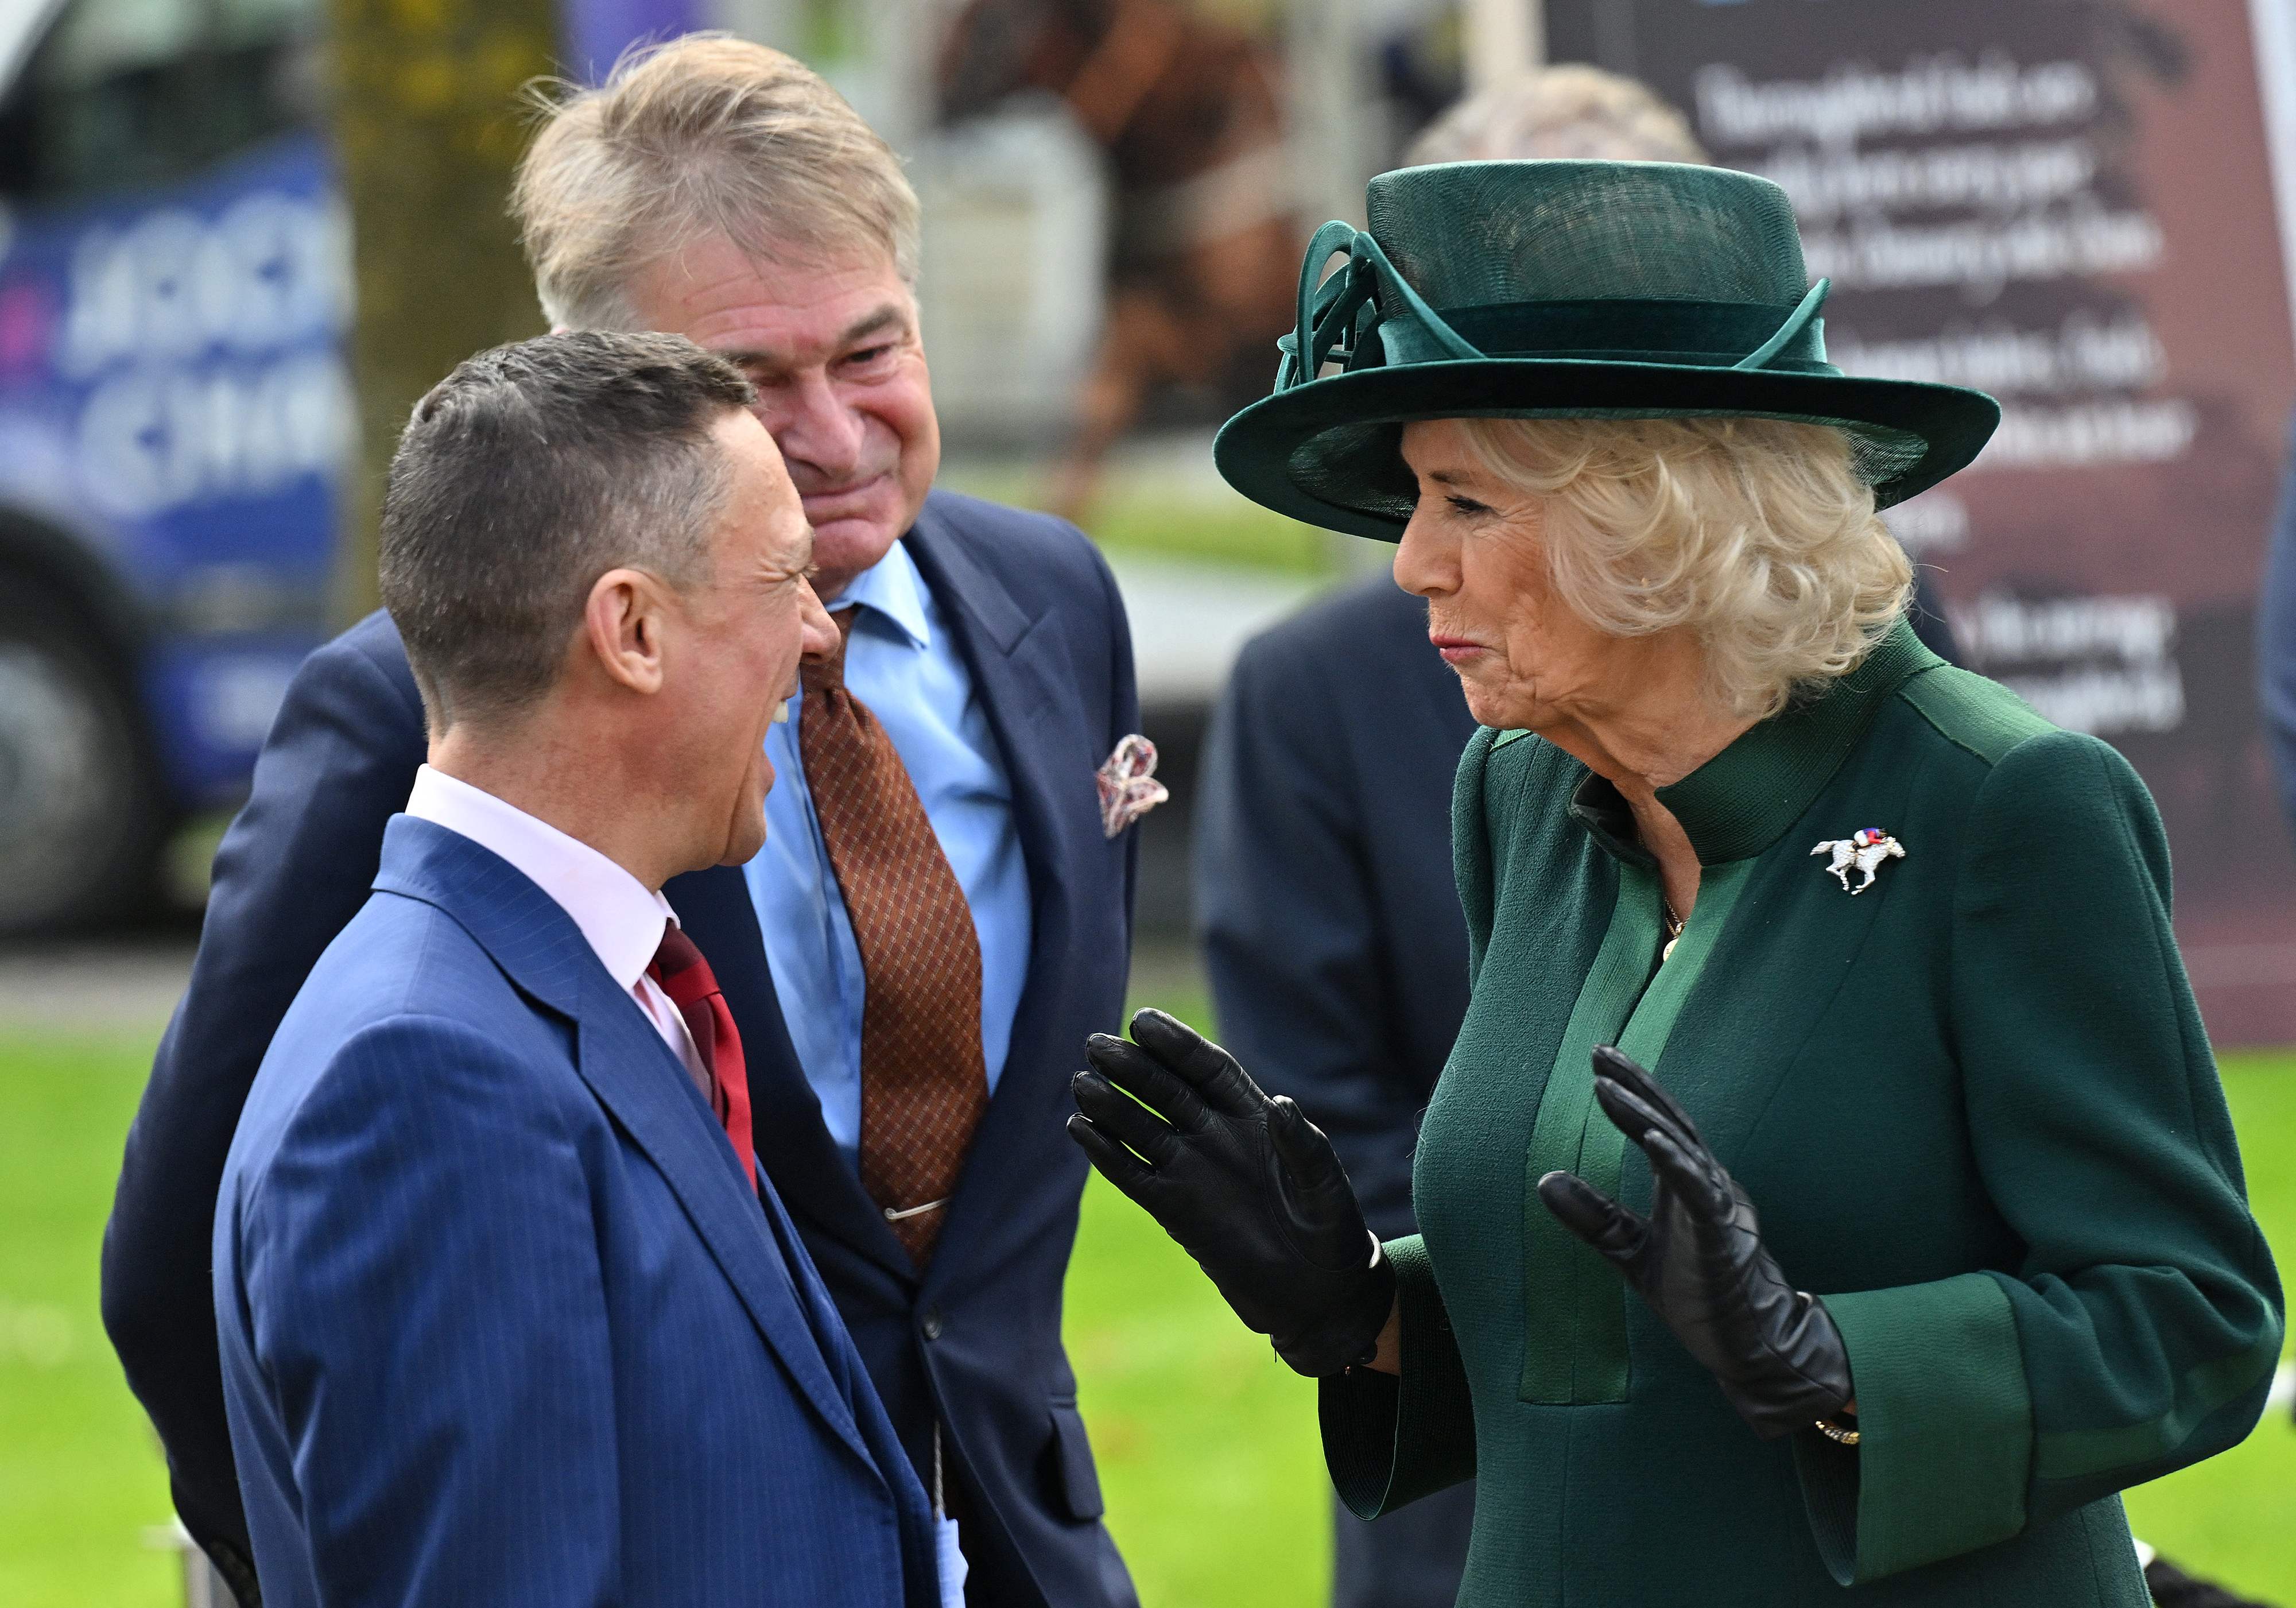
(1074, 1480)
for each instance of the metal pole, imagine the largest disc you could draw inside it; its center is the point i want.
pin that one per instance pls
(1505, 39)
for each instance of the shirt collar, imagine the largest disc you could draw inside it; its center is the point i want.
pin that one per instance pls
(621, 919)
(1746, 798)
(894, 592)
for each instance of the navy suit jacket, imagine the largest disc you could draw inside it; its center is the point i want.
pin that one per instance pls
(501, 1319)
(1324, 898)
(1331, 925)
(977, 1339)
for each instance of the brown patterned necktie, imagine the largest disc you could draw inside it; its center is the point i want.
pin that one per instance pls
(923, 1082)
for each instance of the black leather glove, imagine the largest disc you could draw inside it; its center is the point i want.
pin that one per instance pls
(1699, 1261)
(1247, 1185)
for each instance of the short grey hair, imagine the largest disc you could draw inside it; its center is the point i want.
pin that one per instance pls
(1572, 112)
(706, 135)
(523, 476)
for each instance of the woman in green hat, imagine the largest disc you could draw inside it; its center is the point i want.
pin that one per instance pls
(1830, 1184)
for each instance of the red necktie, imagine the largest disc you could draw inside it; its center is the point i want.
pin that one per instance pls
(692, 988)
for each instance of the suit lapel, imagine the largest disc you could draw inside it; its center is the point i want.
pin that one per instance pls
(1013, 657)
(794, 1143)
(634, 1075)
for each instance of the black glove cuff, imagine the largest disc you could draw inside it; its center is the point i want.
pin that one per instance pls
(1346, 1334)
(1806, 1380)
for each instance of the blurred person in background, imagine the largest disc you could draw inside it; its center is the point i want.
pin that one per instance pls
(939, 877)
(501, 1319)
(1330, 923)
(1188, 108)
(1899, 949)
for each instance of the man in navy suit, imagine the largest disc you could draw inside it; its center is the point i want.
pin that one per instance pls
(987, 645)
(505, 1315)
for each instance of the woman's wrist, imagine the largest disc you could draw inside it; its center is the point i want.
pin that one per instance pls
(1388, 1357)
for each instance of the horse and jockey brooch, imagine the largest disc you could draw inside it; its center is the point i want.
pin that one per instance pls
(1863, 851)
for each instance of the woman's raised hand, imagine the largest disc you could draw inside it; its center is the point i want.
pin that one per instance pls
(1246, 1184)
(1699, 1260)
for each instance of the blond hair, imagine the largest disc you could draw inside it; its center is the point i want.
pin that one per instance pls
(704, 135)
(1571, 112)
(1756, 533)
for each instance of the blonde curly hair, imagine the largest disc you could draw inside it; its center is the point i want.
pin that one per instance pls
(1756, 533)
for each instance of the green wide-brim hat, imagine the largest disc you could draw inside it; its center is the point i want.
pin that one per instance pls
(1563, 289)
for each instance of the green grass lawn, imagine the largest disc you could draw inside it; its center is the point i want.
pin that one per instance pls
(1207, 1445)
(81, 1482)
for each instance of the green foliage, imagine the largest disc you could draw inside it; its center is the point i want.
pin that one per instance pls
(1207, 1444)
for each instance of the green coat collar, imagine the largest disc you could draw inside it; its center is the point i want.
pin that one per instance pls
(1743, 801)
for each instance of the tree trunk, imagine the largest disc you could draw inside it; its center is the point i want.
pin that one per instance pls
(429, 125)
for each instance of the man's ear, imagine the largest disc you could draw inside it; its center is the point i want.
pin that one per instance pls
(623, 623)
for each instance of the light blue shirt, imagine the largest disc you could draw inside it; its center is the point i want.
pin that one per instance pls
(903, 664)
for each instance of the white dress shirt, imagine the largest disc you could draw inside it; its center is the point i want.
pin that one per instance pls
(621, 918)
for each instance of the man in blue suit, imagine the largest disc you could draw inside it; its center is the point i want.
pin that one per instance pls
(504, 1316)
(989, 648)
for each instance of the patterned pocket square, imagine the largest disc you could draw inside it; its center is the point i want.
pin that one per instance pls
(1129, 788)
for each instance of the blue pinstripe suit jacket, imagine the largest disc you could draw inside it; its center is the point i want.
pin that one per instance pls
(501, 1320)
(970, 1344)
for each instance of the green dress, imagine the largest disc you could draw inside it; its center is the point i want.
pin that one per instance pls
(1972, 1104)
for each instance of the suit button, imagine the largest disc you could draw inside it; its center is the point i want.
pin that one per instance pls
(931, 1324)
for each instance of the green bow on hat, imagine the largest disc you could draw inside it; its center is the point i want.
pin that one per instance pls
(1563, 289)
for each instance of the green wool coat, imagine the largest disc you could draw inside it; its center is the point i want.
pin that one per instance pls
(1974, 1106)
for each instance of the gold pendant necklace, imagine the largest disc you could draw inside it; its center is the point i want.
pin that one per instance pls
(1673, 924)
